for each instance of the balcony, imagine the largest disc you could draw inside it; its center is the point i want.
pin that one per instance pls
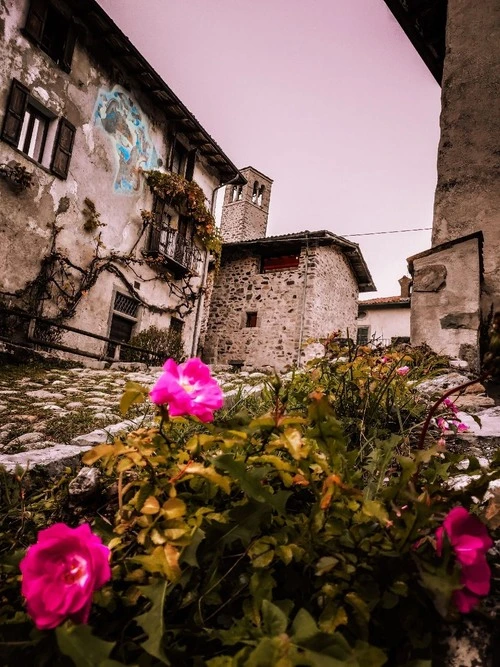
(171, 249)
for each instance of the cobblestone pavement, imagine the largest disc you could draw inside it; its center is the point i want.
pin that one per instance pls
(48, 414)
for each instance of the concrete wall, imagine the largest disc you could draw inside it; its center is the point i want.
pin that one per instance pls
(244, 219)
(468, 189)
(385, 323)
(289, 308)
(445, 300)
(119, 131)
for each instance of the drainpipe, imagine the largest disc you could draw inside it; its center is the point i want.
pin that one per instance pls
(237, 180)
(303, 306)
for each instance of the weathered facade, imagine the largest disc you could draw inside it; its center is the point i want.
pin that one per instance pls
(460, 42)
(385, 320)
(273, 294)
(85, 116)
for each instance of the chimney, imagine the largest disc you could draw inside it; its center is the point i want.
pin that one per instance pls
(405, 283)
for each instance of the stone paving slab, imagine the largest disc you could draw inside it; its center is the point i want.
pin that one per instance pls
(49, 415)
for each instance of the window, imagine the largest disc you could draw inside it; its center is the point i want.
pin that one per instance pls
(260, 195)
(280, 262)
(237, 193)
(52, 31)
(251, 320)
(169, 243)
(123, 320)
(178, 159)
(33, 129)
(255, 192)
(363, 335)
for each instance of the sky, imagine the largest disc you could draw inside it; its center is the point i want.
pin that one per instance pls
(326, 97)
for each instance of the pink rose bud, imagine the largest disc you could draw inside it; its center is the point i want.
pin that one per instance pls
(61, 572)
(403, 370)
(470, 541)
(188, 389)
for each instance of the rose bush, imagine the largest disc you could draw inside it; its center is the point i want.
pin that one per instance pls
(61, 572)
(298, 532)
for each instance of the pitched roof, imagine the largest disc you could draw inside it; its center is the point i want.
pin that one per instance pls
(385, 302)
(118, 47)
(323, 237)
(424, 22)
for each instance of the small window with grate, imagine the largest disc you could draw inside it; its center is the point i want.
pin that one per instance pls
(126, 304)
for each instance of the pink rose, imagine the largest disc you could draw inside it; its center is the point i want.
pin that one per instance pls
(470, 542)
(450, 404)
(61, 572)
(188, 389)
(403, 370)
(443, 424)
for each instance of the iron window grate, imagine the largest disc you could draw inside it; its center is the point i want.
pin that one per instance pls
(125, 304)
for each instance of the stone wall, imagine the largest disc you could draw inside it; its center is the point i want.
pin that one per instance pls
(445, 299)
(276, 297)
(289, 308)
(119, 131)
(332, 295)
(468, 189)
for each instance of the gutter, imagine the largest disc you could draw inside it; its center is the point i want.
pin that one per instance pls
(304, 297)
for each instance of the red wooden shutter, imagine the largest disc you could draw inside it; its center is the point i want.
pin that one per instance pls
(63, 148)
(35, 22)
(14, 115)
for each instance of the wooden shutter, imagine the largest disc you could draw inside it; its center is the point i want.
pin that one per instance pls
(69, 47)
(191, 161)
(63, 148)
(14, 115)
(35, 22)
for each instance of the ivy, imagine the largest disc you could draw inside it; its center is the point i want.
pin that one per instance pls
(188, 198)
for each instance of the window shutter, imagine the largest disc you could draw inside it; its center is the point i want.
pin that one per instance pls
(36, 19)
(63, 148)
(191, 161)
(69, 47)
(14, 115)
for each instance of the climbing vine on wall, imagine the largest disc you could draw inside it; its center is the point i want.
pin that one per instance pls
(61, 283)
(188, 198)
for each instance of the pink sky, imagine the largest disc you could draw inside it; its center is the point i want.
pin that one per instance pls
(327, 97)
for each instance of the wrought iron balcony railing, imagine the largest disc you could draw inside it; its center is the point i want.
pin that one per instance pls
(173, 249)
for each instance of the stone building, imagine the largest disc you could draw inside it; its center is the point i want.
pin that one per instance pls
(84, 239)
(457, 282)
(272, 294)
(385, 320)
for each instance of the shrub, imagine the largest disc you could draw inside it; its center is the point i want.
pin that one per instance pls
(263, 539)
(163, 342)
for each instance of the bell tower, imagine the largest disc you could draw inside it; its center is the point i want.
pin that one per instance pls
(246, 207)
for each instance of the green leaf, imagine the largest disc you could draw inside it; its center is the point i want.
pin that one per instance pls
(152, 621)
(134, 393)
(303, 627)
(79, 644)
(274, 621)
(250, 482)
(189, 553)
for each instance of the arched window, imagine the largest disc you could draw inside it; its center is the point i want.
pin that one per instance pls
(260, 196)
(255, 192)
(237, 193)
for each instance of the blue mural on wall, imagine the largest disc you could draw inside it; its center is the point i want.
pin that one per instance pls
(125, 123)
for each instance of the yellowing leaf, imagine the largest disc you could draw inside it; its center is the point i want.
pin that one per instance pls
(134, 393)
(174, 508)
(374, 509)
(151, 506)
(210, 474)
(97, 453)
